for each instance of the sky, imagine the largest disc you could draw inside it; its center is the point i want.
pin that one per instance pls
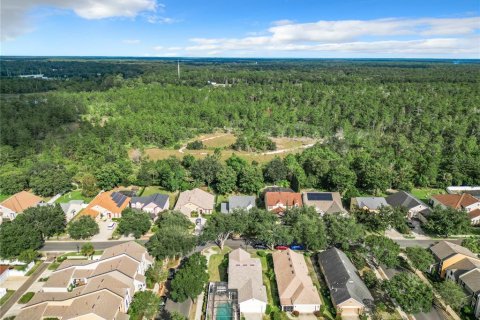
(242, 28)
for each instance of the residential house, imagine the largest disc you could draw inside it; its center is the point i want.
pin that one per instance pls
(106, 205)
(238, 202)
(295, 287)
(463, 201)
(447, 254)
(372, 204)
(92, 289)
(415, 208)
(72, 207)
(195, 200)
(349, 294)
(245, 275)
(152, 204)
(324, 202)
(279, 202)
(3, 272)
(16, 204)
(470, 281)
(454, 271)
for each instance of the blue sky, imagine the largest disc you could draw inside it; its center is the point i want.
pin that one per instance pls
(242, 28)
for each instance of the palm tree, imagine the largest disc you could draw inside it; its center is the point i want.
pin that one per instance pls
(88, 250)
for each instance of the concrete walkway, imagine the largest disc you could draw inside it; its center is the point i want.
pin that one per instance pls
(21, 291)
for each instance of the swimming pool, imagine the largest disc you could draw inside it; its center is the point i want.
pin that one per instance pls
(224, 311)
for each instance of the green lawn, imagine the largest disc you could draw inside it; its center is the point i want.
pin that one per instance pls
(35, 267)
(26, 297)
(6, 297)
(54, 266)
(424, 194)
(269, 279)
(3, 197)
(323, 291)
(218, 265)
(155, 189)
(73, 195)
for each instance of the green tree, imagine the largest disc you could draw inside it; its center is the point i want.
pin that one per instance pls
(447, 221)
(370, 279)
(14, 239)
(275, 171)
(50, 179)
(190, 279)
(87, 250)
(144, 305)
(306, 227)
(195, 145)
(373, 221)
(452, 293)
(13, 181)
(173, 219)
(205, 170)
(250, 181)
(343, 230)
(410, 292)
(472, 243)
(83, 228)
(176, 316)
(341, 178)
(421, 258)
(226, 180)
(109, 176)
(49, 220)
(384, 249)
(89, 185)
(170, 174)
(134, 222)
(221, 226)
(28, 255)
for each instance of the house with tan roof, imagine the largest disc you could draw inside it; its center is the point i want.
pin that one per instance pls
(92, 289)
(281, 201)
(470, 282)
(245, 275)
(464, 201)
(295, 287)
(106, 205)
(19, 202)
(447, 254)
(324, 202)
(195, 200)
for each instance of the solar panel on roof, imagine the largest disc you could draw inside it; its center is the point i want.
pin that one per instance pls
(118, 198)
(319, 196)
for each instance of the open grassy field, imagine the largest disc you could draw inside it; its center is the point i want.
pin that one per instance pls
(285, 146)
(73, 195)
(424, 194)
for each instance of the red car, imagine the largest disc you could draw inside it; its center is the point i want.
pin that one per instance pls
(281, 247)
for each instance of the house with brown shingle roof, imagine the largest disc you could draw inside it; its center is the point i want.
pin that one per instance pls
(19, 202)
(463, 201)
(295, 287)
(107, 204)
(448, 254)
(195, 200)
(96, 289)
(279, 202)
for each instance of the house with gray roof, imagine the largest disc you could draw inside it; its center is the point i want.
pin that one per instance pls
(152, 204)
(349, 294)
(372, 204)
(238, 202)
(324, 202)
(72, 207)
(415, 208)
(470, 281)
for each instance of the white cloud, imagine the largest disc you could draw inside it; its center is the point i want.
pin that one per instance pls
(131, 41)
(161, 20)
(158, 48)
(392, 36)
(282, 22)
(14, 12)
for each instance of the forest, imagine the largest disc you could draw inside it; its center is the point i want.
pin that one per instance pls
(383, 124)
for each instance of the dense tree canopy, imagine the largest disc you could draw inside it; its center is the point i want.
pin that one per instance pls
(447, 221)
(134, 222)
(410, 292)
(83, 228)
(190, 279)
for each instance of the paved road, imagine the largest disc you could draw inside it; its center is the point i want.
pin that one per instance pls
(65, 246)
(21, 291)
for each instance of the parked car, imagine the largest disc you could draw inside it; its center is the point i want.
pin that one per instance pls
(281, 247)
(259, 246)
(297, 247)
(198, 221)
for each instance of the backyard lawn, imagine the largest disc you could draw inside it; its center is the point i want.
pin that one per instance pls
(73, 195)
(218, 265)
(269, 278)
(155, 189)
(3, 197)
(424, 194)
(6, 297)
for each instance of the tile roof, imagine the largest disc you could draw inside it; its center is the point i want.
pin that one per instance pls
(286, 198)
(113, 202)
(456, 201)
(245, 275)
(21, 201)
(295, 287)
(474, 214)
(445, 249)
(326, 202)
(342, 278)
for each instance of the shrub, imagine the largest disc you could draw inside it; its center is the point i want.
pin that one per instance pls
(195, 145)
(26, 297)
(261, 253)
(295, 313)
(317, 314)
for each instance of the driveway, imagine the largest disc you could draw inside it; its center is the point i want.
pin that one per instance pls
(104, 233)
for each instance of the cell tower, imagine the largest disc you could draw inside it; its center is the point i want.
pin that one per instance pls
(178, 68)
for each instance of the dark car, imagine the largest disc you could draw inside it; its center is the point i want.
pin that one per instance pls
(410, 224)
(171, 273)
(281, 247)
(259, 246)
(297, 247)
